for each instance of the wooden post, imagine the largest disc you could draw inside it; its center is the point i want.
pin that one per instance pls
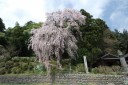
(124, 64)
(86, 65)
(123, 61)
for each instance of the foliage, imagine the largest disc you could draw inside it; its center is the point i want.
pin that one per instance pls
(23, 59)
(80, 68)
(4, 55)
(3, 39)
(2, 70)
(17, 65)
(16, 70)
(2, 26)
(18, 38)
(106, 69)
(24, 66)
(2, 64)
(110, 42)
(92, 41)
(122, 40)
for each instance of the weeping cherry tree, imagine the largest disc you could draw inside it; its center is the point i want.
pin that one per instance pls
(55, 36)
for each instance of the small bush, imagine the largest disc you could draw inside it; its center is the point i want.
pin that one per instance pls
(9, 64)
(2, 58)
(2, 64)
(30, 66)
(24, 66)
(2, 70)
(39, 68)
(15, 59)
(23, 59)
(95, 70)
(106, 69)
(16, 70)
(66, 68)
(80, 68)
(102, 70)
(16, 64)
(116, 68)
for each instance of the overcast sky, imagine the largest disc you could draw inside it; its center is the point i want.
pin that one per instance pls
(113, 12)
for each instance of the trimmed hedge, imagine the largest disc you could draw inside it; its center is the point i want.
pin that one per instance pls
(17, 65)
(107, 69)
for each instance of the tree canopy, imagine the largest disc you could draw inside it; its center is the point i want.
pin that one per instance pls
(2, 26)
(55, 36)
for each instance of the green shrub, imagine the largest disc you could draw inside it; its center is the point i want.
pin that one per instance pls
(15, 59)
(106, 70)
(25, 63)
(24, 66)
(30, 66)
(2, 70)
(66, 68)
(80, 67)
(2, 58)
(8, 66)
(16, 64)
(95, 70)
(116, 68)
(102, 70)
(16, 70)
(23, 59)
(2, 64)
(32, 59)
(39, 68)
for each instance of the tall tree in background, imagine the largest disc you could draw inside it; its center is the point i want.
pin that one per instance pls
(15, 39)
(109, 42)
(3, 40)
(2, 26)
(26, 34)
(122, 40)
(18, 38)
(2, 33)
(92, 34)
(55, 36)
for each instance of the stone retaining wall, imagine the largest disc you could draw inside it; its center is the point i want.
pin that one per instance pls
(70, 79)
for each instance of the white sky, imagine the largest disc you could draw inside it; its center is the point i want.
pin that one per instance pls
(23, 11)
